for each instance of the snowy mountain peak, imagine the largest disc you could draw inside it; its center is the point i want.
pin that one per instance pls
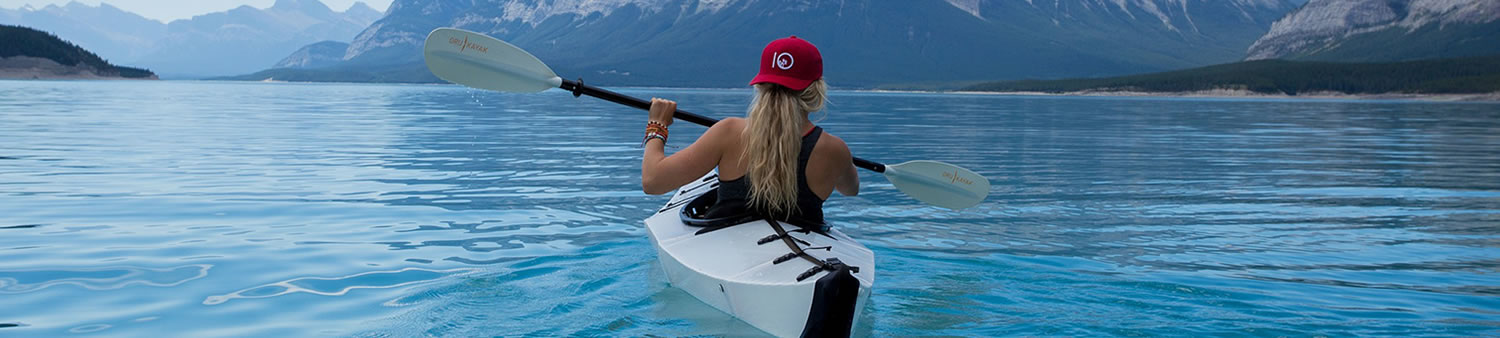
(536, 11)
(713, 5)
(1174, 15)
(360, 6)
(971, 6)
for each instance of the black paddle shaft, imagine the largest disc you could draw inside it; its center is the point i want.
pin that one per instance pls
(578, 89)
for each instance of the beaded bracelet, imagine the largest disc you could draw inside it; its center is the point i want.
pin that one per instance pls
(655, 130)
(656, 127)
(651, 136)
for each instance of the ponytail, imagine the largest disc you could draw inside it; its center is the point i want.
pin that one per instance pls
(773, 141)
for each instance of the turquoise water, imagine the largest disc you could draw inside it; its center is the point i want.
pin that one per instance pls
(250, 209)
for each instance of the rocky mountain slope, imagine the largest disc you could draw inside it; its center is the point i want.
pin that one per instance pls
(866, 42)
(317, 55)
(1383, 30)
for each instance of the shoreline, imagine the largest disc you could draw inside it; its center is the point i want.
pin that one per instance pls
(1221, 94)
(1246, 94)
(34, 68)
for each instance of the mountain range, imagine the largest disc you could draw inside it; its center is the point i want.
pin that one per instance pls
(237, 41)
(1383, 30)
(716, 43)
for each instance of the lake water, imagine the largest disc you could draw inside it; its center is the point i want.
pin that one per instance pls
(251, 209)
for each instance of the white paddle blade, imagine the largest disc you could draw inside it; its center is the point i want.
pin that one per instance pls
(479, 61)
(939, 183)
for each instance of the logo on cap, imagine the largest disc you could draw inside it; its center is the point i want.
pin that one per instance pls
(784, 61)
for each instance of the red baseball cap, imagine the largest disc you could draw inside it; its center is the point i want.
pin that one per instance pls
(791, 62)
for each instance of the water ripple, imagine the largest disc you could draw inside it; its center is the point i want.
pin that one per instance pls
(110, 278)
(337, 286)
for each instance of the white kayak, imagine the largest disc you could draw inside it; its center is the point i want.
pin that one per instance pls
(750, 272)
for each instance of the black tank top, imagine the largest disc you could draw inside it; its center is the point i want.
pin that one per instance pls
(734, 196)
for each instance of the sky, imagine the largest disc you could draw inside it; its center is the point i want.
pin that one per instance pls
(168, 10)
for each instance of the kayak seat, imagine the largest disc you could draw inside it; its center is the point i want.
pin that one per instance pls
(696, 213)
(704, 212)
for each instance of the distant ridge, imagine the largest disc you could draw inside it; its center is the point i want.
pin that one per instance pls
(114, 34)
(1474, 75)
(27, 53)
(247, 39)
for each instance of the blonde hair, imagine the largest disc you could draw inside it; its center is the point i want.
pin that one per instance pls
(773, 140)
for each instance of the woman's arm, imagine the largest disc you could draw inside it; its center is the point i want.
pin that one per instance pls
(848, 179)
(848, 185)
(661, 174)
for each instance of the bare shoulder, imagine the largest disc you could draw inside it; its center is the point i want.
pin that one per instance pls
(728, 125)
(724, 128)
(833, 145)
(731, 122)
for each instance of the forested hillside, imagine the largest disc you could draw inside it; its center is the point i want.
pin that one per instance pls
(1445, 76)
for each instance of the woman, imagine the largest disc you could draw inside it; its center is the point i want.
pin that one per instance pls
(774, 162)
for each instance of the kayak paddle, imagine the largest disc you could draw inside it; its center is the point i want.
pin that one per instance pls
(480, 61)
